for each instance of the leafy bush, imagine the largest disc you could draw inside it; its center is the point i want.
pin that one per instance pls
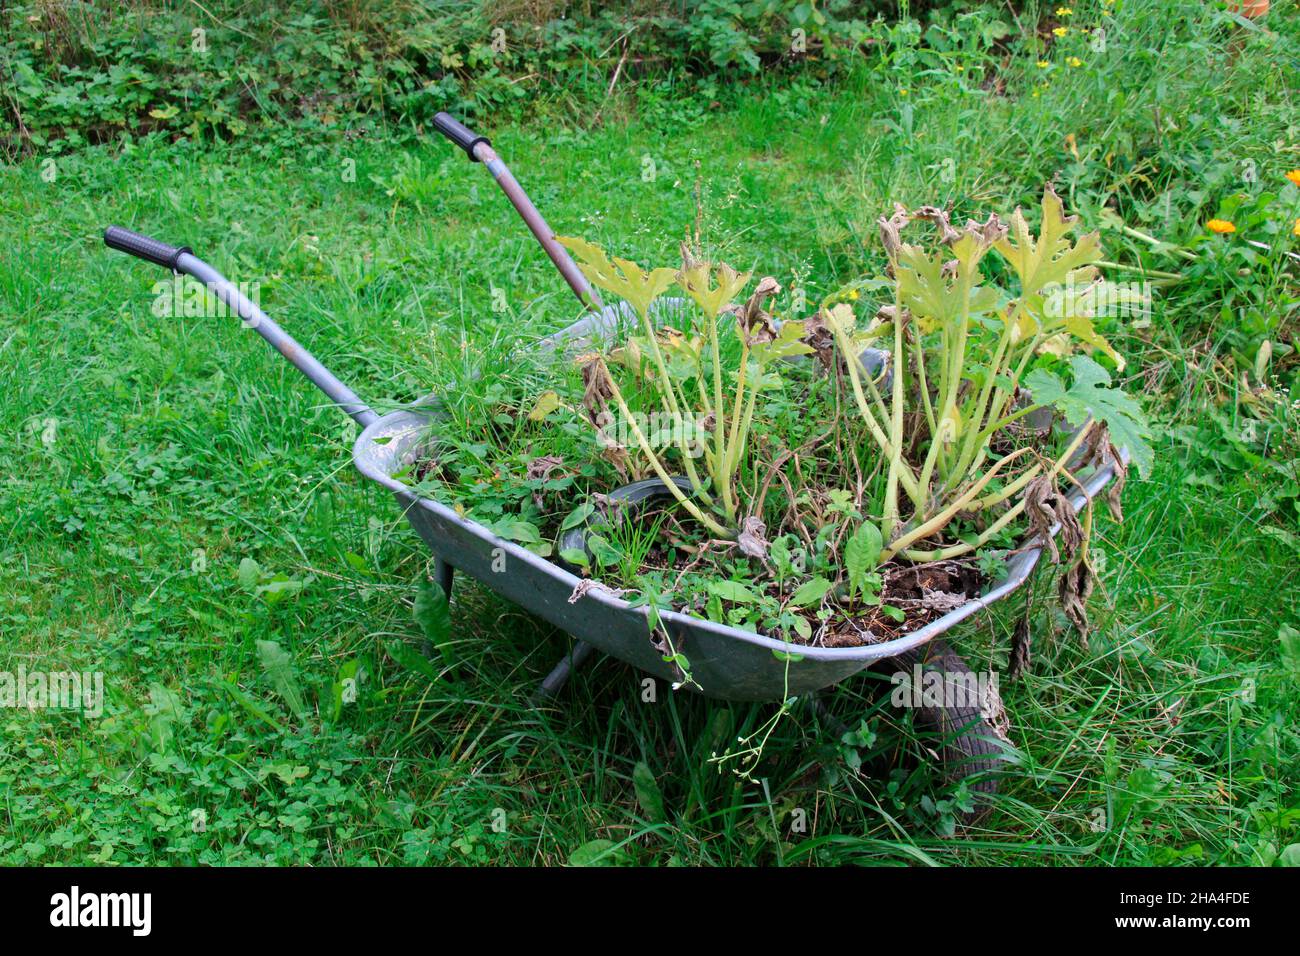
(76, 72)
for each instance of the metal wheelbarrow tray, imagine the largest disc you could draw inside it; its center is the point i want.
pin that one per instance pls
(726, 662)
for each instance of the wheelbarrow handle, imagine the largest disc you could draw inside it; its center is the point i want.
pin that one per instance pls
(143, 247)
(479, 149)
(182, 261)
(460, 134)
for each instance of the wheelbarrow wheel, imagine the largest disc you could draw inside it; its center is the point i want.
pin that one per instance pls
(969, 746)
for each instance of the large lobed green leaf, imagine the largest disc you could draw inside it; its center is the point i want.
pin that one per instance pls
(1091, 395)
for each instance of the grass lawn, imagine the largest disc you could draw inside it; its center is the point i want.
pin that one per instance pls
(145, 458)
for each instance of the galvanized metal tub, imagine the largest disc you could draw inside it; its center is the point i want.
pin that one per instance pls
(725, 662)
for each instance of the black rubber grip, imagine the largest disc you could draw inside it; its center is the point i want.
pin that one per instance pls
(142, 247)
(459, 133)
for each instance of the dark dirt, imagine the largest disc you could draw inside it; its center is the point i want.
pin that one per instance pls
(923, 592)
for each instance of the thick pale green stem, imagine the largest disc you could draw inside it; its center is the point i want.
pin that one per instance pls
(658, 467)
(906, 478)
(922, 384)
(1001, 396)
(876, 397)
(975, 438)
(949, 383)
(725, 468)
(984, 504)
(737, 450)
(956, 550)
(674, 407)
(720, 413)
(937, 523)
(890, 517)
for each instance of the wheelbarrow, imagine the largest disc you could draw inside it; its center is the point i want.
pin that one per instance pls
(726, 662)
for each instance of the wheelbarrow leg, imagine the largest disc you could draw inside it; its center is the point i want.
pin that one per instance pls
(559, 674)
(442, 574)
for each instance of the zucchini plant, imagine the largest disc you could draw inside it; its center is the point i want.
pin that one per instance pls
(960, 348)
(925, 418)
(686, 370)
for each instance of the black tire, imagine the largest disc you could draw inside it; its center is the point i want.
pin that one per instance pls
(968, 745)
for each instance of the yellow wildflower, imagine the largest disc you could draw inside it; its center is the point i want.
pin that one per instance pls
(1043, 64)
(1061, 31)
(1220, 226)
(1294, 176)
(1064, 12)
(1295, 230)
(1074, 61)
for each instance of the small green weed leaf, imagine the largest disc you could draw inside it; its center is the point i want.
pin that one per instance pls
(278, 665)
(432, 613)
(810, 592)
(287, 772)
(412, 660)
(862, 554)
(732, 591)
(603, 550)
(344, 689)
(648, 794)
(278, 588)
(250, 573)
(575, 556)
(517, 529)
(577, 516)
(1289, 647)
(596, 853)
(165, 712)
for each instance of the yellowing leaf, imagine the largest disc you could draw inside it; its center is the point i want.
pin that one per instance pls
(785, 345)
(547, 402)
(968, 250)
(1058, 345)
(1025, 326)
(1081, 328)
(931, 297)
(841, 319)
(696, 280)
(1051, 257)
(1071, 308)
(622, 277)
